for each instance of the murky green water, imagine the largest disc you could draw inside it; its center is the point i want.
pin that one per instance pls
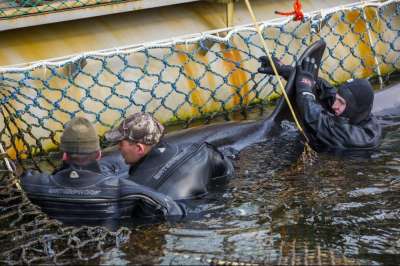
(340, 210)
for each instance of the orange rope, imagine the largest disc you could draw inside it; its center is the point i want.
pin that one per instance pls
(297, 12)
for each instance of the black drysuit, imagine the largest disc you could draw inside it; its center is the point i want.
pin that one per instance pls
(329, 132)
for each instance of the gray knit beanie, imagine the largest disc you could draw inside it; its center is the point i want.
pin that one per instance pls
(79, 137)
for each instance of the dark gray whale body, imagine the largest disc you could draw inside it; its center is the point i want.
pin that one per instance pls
(232, 137)
(387, 101)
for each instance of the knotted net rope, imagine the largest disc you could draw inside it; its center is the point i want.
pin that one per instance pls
(29, 236)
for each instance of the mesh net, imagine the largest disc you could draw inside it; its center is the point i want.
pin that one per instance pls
(18, 8)
(29, 236)
(186, 79)
(295, 253)
(178, 81)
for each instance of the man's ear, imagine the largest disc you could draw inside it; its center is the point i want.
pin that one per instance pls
(65, 156)
(141, 148)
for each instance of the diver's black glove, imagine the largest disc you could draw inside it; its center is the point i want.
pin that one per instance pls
(306, 76)
(266, 68)
(326, 93)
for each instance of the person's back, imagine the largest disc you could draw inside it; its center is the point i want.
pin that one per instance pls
(76, 192)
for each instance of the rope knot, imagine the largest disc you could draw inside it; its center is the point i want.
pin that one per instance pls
(297, 12)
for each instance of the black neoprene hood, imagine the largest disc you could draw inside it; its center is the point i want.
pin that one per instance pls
(359, 97)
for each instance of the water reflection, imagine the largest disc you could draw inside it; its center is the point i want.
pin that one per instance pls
(340, 210)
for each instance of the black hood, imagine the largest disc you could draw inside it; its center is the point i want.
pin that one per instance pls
(359, 97)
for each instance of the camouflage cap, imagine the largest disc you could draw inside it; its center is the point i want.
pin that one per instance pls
(79, 137)
(139, 127)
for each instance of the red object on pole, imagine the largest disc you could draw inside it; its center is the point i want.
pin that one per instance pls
(297, 13)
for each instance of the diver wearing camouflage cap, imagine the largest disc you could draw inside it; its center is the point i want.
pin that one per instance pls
(179, 171)
(136, 136)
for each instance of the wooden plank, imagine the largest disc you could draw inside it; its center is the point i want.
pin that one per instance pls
(13, 17)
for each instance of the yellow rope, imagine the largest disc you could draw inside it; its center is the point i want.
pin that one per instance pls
(274, 69)
(378, 69)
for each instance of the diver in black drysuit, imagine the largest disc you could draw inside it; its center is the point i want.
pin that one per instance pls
(95, 194)
(185, 173)
(354, 129)
(181, 171)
